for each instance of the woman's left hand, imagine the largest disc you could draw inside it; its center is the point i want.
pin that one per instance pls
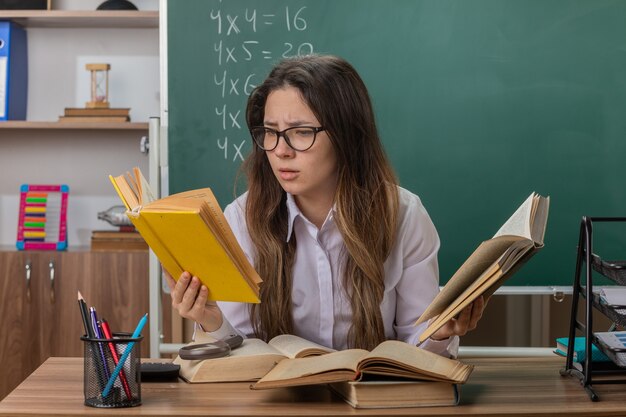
(465, 321)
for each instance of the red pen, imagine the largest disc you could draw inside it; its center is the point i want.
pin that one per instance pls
(107, 333)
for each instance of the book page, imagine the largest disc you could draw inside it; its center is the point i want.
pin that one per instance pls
(229, 368)
(126, 194)
(332, 367)
(190, 200)
(414, 361)
(483, 257)
(521, 251)
(486, 284)
(249, 362)
(296, 347)
(464, 300)
(514, 253)
(512, 270)
(249, 346)
(218, 220)
(540, 219)
(519, 223)
(145, 192)
(132, 184)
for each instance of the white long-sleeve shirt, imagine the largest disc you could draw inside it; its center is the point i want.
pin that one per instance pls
(320, 305)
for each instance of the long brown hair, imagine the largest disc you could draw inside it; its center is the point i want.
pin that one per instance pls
(366, 198)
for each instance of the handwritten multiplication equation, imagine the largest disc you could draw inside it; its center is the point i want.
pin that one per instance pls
(240, 45)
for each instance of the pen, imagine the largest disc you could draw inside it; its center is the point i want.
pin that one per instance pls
(98, 334)
(107, 333)
(127, 351)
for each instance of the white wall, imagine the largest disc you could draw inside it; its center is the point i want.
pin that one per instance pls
(57, 77)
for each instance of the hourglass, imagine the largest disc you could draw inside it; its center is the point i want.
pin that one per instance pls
(99, 85)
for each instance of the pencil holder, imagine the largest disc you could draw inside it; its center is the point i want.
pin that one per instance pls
(101, 360)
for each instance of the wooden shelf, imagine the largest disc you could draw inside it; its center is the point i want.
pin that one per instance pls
(19, 124)
(83, 18)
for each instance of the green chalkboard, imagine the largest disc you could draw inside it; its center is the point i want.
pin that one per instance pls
(479, 103)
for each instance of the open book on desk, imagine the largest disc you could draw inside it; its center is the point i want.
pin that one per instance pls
(249, 362)
(188, 232)
(491, 264)
(390, 359)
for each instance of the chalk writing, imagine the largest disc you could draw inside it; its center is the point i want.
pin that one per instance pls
(243, 57)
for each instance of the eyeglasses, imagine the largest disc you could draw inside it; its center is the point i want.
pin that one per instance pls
(299, 138)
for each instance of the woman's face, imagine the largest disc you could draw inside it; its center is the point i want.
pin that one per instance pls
(310, 174)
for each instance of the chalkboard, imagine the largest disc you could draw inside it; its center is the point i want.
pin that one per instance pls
(479, 103)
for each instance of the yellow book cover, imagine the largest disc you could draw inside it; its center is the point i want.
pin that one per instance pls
(188, 232)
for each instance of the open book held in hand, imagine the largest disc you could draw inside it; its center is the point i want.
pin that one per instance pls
(491, 264)
(188, 232)
(250, 361)
(391, 359)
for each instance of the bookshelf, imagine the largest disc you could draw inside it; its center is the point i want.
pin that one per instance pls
(82, 18)
(38, 125)
(57, 39)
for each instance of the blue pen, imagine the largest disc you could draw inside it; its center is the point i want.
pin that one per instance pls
(127, 351)
(98, 335)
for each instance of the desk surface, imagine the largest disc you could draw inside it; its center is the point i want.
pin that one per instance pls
(502, 386)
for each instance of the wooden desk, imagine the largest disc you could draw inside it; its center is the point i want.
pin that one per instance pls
(503, 386)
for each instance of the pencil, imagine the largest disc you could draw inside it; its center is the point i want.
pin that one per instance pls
(85, 316)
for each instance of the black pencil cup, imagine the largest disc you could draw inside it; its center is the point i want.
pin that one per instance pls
(101, 358)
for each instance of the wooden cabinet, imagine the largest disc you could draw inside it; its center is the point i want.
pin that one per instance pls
(39, 314)
(13, 326)
(115, 283)
(23, 316)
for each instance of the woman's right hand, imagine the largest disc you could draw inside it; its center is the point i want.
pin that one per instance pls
(189, 298)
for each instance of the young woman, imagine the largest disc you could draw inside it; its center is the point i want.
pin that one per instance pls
(348, 258)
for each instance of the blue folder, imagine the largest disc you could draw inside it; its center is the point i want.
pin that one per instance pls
(13, 71)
